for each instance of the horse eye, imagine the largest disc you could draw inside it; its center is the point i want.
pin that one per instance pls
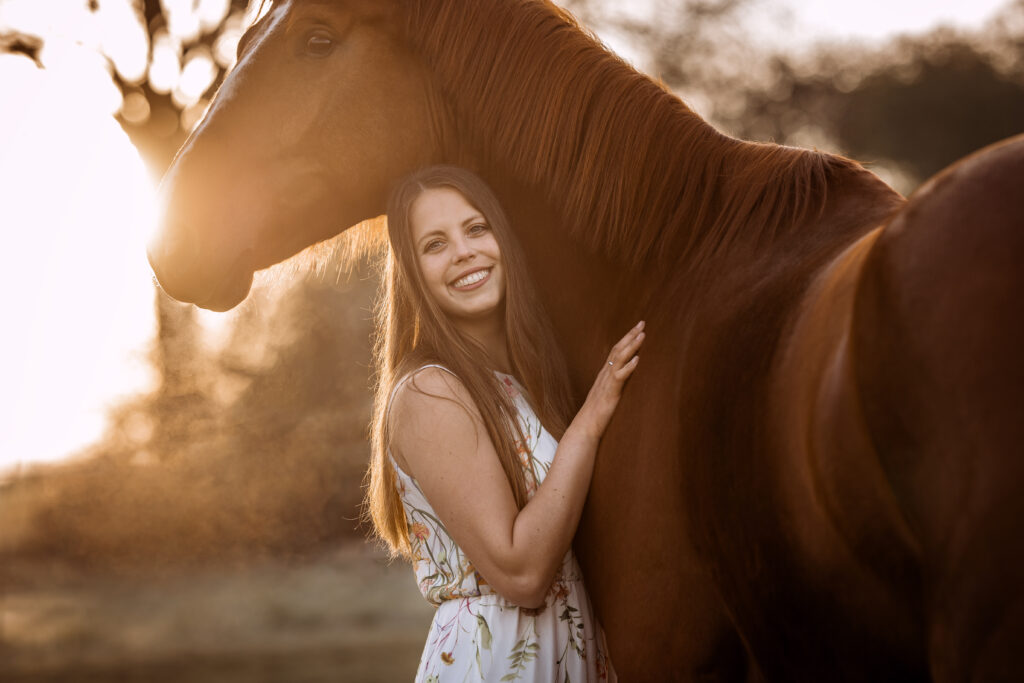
(319, 44)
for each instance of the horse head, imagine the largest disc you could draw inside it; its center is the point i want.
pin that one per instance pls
(324, 109)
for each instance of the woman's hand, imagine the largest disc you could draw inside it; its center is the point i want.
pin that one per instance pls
(604, 395)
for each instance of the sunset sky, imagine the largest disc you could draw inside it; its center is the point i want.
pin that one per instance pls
(76, 201)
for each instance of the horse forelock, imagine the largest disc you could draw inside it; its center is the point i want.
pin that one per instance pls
(633, 170)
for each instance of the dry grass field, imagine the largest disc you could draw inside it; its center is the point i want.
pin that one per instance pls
(345, 616)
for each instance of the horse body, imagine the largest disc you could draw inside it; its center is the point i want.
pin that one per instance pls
(765, 500)
(945, 282)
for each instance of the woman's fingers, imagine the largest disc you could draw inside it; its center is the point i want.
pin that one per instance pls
(622, 373)
(626, 347)
(627, 353)
(630, 350)
(625, 341)
(607, 388)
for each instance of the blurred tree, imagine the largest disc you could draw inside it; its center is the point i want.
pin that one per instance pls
(921, 105)
(957, 102)
(254, 448)
(696, 48)
(914, 105)
(167, 57)
(192, 47)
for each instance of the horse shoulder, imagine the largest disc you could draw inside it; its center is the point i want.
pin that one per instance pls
(848, 535)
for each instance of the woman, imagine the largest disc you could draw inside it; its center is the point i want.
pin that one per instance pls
(467, 478)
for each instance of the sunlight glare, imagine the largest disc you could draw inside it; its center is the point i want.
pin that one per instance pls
(225, 49)
(76, 204)
(197, 75)
(211, 13)
(193, 114)
(135, 108)
(182, 22)
(87, 74)
(165, 67)
(124, 39)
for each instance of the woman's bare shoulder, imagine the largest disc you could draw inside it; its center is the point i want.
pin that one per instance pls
(431, 381)
(431, 391)
(434, 422)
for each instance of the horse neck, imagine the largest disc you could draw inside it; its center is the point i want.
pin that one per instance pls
(576, 285)
(634, 173)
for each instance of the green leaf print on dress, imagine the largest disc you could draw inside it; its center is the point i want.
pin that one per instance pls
(524, 652)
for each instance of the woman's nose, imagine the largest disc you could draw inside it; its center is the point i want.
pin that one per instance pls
(462, 249)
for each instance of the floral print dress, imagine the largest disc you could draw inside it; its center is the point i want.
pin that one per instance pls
(477, 635)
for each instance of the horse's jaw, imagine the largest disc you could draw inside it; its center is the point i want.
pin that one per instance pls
(182, 284)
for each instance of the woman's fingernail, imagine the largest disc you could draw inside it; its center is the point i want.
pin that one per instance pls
(640, 325)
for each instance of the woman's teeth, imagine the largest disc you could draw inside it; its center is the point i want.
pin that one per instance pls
(472, 278)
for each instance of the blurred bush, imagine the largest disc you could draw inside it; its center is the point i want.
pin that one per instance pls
(257, 448)
(923, 103)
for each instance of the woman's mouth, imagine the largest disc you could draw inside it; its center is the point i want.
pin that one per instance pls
(472, 280)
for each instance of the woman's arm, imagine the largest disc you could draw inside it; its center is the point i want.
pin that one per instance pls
(444, 445)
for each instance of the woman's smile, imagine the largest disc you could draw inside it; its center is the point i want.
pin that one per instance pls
(475, 279)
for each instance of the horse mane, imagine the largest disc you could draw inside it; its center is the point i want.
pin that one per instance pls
(626, 161)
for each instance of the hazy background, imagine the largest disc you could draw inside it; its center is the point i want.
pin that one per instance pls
(179, 489)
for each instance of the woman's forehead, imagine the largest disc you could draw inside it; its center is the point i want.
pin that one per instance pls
(440, 208)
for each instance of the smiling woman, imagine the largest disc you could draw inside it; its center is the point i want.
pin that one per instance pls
(458, 256)
(472, 394)
(75, 292)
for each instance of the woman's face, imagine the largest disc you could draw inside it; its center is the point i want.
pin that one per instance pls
(457, 255)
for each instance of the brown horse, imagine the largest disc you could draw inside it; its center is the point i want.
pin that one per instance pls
(815, 474)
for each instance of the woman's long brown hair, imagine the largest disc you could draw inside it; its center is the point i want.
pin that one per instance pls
(412, 331)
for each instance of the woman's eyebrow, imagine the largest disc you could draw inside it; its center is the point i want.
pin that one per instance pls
(474, 219)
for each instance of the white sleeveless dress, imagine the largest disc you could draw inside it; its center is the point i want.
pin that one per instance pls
(477, 635)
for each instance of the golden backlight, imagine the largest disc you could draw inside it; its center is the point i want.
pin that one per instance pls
(75, 287)
(76, 207)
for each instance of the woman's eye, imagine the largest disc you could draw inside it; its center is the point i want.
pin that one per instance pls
(319, 44)
(433, 245)
(477, 229)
